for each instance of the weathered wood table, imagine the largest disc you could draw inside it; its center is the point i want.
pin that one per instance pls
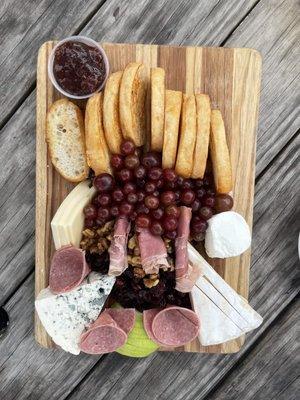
(266, 367)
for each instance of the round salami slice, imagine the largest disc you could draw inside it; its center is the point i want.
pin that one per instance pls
(175, 326)
(124, 317)
(148, 316)
(68, 269)
(104, 336)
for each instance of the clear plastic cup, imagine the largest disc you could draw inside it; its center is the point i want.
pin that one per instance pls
(89, 42)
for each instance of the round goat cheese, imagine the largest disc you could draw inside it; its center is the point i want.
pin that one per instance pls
(227, 235)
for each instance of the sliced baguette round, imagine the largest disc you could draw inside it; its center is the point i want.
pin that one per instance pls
(157, 108)
(185, 153)
(65, 137)
(202, 135)
(132, 98)
(97, 151)
(220, 154)
(111, 119)
(173, 100)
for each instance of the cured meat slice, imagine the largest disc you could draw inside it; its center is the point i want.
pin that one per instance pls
(175, 326)
(68, 269)
(153, 252)
(124, 317)
(186, 275)
(118, 248)
(148, 316)
(104, 336)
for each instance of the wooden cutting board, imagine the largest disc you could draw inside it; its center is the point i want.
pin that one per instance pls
(231, 77)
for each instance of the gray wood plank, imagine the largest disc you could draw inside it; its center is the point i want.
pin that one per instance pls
(271, 370)
(273, 28)
(165, 375)
(274, 276)
(23, 30)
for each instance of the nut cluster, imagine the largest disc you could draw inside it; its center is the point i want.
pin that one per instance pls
(97, 240)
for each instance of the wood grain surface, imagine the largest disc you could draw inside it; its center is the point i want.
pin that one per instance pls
(232, 79)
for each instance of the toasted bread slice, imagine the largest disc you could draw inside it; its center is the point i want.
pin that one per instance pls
(157, 108)
(185, 153)
(65, 137)
(98, 155)
(132, 98)
(173, 100)
(111, 119)
(202, 135)
(220, 154)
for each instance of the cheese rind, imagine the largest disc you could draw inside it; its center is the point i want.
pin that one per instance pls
(227, 235)
(66, 315)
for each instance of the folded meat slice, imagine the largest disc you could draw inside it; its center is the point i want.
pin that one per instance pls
(118, 248)
(186, 275)
(153, 252)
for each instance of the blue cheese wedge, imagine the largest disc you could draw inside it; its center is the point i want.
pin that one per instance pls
(66, 315)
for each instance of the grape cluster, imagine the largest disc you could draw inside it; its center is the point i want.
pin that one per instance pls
(151, 196)
(130, 291)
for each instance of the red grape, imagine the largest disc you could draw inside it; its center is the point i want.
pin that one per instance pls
(125, 208)
(133, 216)
(187, 184)
(114, 211)
(127, 147)
(103, 213)
(140, 183)
(151, 202)
(223, 202)
(159, 183)
(167, 197)
(125, 175)
(131, 161)
(129, 187)
(142, 209)
(88, 223)
(151, 159)
(158, 213)
(118, 195)
(198, 225)
(132, 198)
(171, 235)
(141, 195)
(170, 223)
(172, 211)
(156, 228)
(208, 201)
(170, 175)
(200, 193)
(198, 183)
(90, 211)
(140, 171)
(150, 187)
(142, 221)
(156, 193)
(104, 199)
(187, 197)
(104, 182)
(205, 213)
(155, 173)
(196, 205)
(117, 161)
(210, 192)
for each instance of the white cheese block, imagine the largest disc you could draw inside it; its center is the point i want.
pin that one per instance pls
(68, 221)
(227, 235)
(65, 316)
(226, 307)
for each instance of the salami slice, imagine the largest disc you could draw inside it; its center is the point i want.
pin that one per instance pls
(124, 317)
(68, 269)
(104, 336)
(148, 316)
(173, 326)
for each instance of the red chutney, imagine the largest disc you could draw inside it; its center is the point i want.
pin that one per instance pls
(78, 68)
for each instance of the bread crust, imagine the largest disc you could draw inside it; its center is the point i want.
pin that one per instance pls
(51, 136)
(220, 154)
(111, 118)
(157, 108)
(132, 98)
(97, 151)
(173, 101)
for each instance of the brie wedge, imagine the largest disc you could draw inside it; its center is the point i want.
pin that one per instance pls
(68, 221)
(223, 313)
(227, 235)
(66, 315)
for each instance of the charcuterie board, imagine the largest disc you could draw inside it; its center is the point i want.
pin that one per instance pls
(231, 77)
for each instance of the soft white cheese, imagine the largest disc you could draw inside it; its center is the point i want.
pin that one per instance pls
(227, 235)
(65, 316)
